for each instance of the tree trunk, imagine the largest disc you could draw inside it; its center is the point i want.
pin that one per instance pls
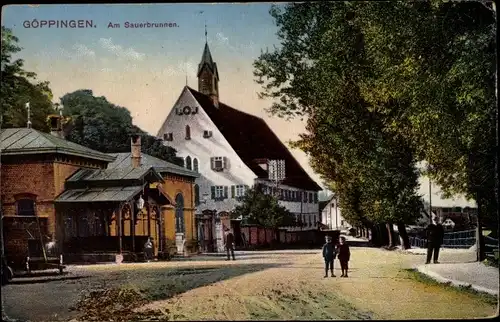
(389, 235)
(404, 235)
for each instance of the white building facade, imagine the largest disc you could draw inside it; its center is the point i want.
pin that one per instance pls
(229, 156)
(331, 215)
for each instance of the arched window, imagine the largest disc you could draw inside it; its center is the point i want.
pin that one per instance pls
(188, 132)
(26, 207)
(188, 163)
(196, 194)
(179, 213)
(195, 165)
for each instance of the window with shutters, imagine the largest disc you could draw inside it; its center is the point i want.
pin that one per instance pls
(218, 163)
(304, 196)
(195, 165)
(315, 197)
(310, 197)
(188, 132)
(168, 136)
(219, 192)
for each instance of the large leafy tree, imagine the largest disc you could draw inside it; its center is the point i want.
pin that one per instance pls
(374, 76)
(98, 123)
(19, 86)
(258, 208)
(318, 73)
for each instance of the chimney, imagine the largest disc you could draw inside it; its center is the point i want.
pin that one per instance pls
(215, 100)
(56, 125)
(135, 149)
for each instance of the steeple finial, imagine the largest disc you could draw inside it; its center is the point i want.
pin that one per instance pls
(206, 39)
(186, 70)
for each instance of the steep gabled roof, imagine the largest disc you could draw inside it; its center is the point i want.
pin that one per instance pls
(251, 138)
(23, 141)
(123, 160)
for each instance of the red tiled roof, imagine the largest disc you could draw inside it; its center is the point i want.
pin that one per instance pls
(251, 138)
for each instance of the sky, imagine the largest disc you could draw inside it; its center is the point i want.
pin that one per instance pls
(145, 69)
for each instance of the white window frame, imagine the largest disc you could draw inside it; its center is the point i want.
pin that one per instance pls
(239, 191)
(219, 191)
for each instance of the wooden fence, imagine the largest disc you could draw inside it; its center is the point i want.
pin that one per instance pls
(259, 237)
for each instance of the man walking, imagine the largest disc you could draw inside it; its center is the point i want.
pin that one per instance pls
(229, 243)
(435, 236)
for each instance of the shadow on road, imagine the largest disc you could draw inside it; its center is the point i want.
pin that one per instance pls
(159, 284)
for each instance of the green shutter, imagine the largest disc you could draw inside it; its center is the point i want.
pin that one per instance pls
(225, 192)
(233, 191)
(212, 188)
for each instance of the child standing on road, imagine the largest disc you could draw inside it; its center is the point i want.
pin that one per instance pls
(329, 254)
(344, 255)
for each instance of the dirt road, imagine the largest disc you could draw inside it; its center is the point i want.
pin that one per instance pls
(258, 285)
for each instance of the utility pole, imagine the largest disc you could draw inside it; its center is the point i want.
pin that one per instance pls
(430, 193)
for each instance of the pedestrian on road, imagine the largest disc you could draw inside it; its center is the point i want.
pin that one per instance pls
(148, 249)
(344, 255)
(435, 236)
(229, 243)
(329, 254)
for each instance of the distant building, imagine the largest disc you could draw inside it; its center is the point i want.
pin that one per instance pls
(331, 215)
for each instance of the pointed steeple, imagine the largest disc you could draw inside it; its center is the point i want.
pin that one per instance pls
(208, 75)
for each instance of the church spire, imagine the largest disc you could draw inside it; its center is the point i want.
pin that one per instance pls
(208, 75)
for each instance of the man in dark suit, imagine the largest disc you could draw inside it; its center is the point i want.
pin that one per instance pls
(229, 243)
(435, 236)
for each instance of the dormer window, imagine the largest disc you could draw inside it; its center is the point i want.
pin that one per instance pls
(207, 134)
(168, 136)
(188, 132)
(218, 163)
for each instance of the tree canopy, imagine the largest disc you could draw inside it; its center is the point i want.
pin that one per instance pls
(258, 208)
(385, 85)
(19, 87)
(98, 123)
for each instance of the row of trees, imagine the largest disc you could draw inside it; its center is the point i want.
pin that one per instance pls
(384, 86)
(93, 121)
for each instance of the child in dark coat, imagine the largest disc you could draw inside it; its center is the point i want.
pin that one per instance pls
(329, 254)
(344, 255)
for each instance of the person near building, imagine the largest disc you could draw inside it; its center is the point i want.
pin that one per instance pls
(148, 250)
(435, 236)
(329, 254)
(229, 243)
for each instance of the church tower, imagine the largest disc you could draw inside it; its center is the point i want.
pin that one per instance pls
(208, 76)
